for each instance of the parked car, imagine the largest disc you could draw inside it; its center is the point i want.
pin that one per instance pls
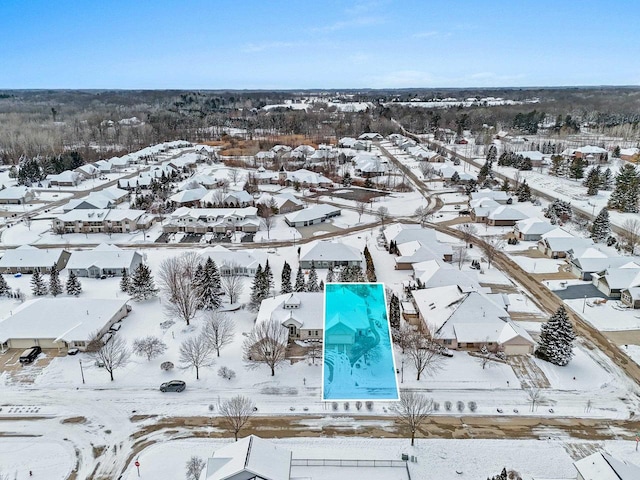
(73, 351)
(30, 354)
(173, 386)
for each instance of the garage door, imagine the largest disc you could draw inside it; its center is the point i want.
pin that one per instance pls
(517, 349)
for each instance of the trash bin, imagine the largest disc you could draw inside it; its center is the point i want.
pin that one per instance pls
(405, 457)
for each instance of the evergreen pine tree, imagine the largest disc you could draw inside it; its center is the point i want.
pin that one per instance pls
(142, 284)
(524, 192)
(286, 279)
(345, 275)
(55, 287)
(394, 312)
(556, 339)
(577, 168)
(593, 182)
(38, 287)
(73, 285)
(371, 269)
(505, 185)
(125, 282)
(627, 190)
(204, 281)
(321, 285)
(330, 275)
(606, 180)
(213, 274)
(300, 285)
(259, 289)
(525, 164)
(4, 287)
(199, 284)
(601, 228)
(268, 274)
(312, 282)
(455, 178)
(485, 171)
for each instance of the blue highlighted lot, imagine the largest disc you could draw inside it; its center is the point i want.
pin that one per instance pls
(358, 355)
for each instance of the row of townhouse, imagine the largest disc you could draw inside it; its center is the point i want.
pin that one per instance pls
(110, 220)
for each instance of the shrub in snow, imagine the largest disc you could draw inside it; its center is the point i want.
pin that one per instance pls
(447, 406)
(436, 406)
(472, 406)
(460, 406)
(369, 405)
(346, 405)
(211, 407)
(334, 405)
(358, 405)
(227, 373)
(166, 366)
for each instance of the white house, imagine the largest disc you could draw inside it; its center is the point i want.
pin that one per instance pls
(250, 458)
(531, 229)
(60, 322)
(219, 220)
(312, 215)
(300, 312)
(67, 178)
(105, 259)
(239, 262)
(504, 215)
(602, 466)
(17, 195)
(325, 254)
(189, 197)
(498, 196)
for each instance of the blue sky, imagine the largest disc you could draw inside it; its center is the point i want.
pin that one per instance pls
(272, 44)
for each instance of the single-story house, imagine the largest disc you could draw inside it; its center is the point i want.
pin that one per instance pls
(587, 261)
(199, 180)
(238, 262)
(189, 197)
(17, 195)
(602, 466)
(107, 198)
(480, 209)
(631, 297)
(312, 215)
(436, 273)
(370, 136)
(417, 251)
(499, 196)
(60, 323)
(29, 259)
(301, 313)
(250, 458)
(305, 178)
(531, 229)
(630, 154)
(105, 259)
(504, 216)
(366, 165)
(67, 178)
(538, 159)
(557, 242)
(325, 254)
(470, 320)
(283, 202)
(88, 171)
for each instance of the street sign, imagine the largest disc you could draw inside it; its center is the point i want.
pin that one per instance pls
(137, 464)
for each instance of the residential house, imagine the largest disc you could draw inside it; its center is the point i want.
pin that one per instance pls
(199, 180)
(186, 162)
(471, 320)
(537, 159)
(235, 262)
(446, 172)
(436, 273)
(29, 259)
(112, 220)
(417, 251)
(60, 323)
(602, 466)
(326, 254)
(302, 151)
(631, 297)
(250, 458)
(371, 136)
(347, 142)
(370, 165)
(585, 261)
(312, 215)
(19, 195)
(283, 202)
(88, 171)
(620, 273)
(303, 177)
(498, 196)
(104, 166)
(480, 209)
(191, 197)
(630, 154)
(102, 199)
(105, 259)
(557, 242)
(67, 178)
(301, 313)
(531, 229)
(217, 220)
(504, 216)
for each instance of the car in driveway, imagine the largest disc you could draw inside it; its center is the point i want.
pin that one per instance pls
(173, 386)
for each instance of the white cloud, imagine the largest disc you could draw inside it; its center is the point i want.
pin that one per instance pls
(354, 23)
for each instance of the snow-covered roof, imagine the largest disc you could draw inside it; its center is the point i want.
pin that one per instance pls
(312, 213)
(188, 196)
(564, 244)
(557, 233)
(104, 256)
(505, 212)
(602, 466)
(329, 251)
(61, 319)
(308, 315)
(27, 256)
(630, 151)
(497, 195)
(620, 278)
(198, 180)
(599, 264)
(591, 149)
(306, 176)
(242, 258)
(96, 215)
(533, 226)
(532, 155)
(15, 193)
(67, 176)
(391, 232)
(250, 455)
(436, 273)
(370, 163)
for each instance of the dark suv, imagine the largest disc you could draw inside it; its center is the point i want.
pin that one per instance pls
(30, 354)
(173, 386)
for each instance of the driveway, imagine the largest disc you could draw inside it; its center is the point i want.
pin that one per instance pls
(580, 291)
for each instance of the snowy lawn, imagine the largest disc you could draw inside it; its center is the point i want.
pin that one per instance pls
(607, 317)
(45, 458)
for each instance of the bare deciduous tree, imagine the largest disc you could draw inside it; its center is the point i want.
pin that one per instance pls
(423, 214)
(423, 354)
(491, 246)
(232, 284)
(536, 397)
(113, 355)
(413, 410)
(173, 269)
(268, 221)
(234, 175)
(150, 347)
(401, 336)
(184, 302)
(218, 330)
(468, 231)
(427, 170)
(195, 465)
(460, 255)
(631, 235)
(196, 352)
(314, 351)
(382, 214)
(236, 412)
(266, 344)
(361, 207)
